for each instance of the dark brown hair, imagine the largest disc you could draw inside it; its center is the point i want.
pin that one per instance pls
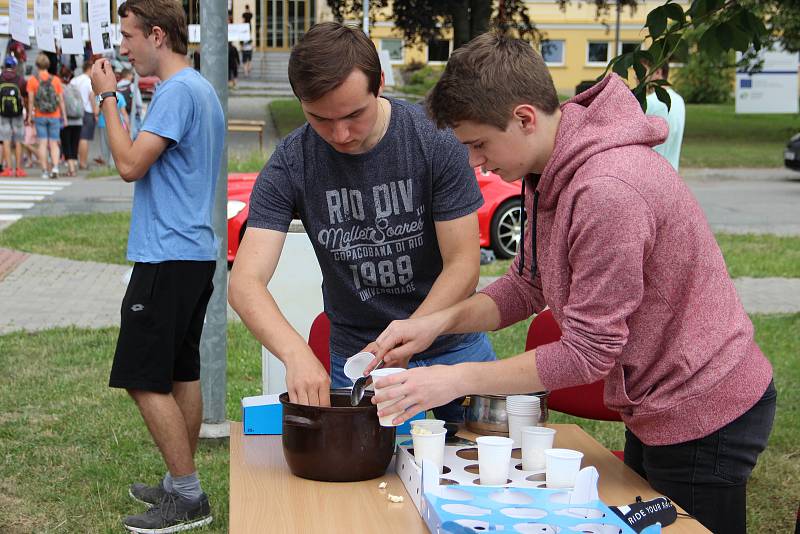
(326, 56)
(166, 14)
(487, 78)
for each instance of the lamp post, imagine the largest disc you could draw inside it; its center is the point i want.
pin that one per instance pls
(213, 344)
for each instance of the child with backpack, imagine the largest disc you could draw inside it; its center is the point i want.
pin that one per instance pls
(71, 133)
(12, 126)
(46, 109)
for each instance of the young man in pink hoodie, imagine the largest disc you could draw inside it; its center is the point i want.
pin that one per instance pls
(616, 245)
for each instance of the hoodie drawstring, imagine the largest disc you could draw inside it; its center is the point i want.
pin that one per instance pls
(534, 259)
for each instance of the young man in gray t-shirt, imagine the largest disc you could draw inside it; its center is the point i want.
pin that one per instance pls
(389, 203)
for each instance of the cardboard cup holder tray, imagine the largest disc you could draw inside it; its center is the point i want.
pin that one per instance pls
(454, 501)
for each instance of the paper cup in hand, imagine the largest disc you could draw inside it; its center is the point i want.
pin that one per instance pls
(562, 466)
(494, 459)
(535, 440)
(429, 446)
(355, 365)
(376, 375)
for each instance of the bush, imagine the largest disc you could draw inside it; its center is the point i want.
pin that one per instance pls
(420, 80)
(706, 78)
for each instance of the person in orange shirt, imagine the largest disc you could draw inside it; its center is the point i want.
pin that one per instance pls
(47, 111)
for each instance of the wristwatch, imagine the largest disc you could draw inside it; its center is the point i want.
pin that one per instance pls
(103, 96)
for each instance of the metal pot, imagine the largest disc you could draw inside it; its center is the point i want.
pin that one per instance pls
(337, 444)
(486, 414)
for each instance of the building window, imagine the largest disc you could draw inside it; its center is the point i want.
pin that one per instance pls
(597, 53)
(438, 51)
(395, 49)
(552, 52)
(624, 48)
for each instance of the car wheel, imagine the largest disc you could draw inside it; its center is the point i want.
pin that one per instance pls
(505, 229)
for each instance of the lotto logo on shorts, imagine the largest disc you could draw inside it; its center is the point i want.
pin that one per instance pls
(137, 307)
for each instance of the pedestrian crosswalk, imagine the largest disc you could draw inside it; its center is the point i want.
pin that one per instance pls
(17, 196)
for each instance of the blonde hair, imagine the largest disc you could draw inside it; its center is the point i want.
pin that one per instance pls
(42, 61)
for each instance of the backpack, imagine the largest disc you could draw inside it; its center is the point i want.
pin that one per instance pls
(46, 98)
(128, 94)
(10, 100)
(73, 102)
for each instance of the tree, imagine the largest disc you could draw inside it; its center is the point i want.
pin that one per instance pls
(423, 20)
(722, 26)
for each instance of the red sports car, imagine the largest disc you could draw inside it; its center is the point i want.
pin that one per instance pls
(499, 218)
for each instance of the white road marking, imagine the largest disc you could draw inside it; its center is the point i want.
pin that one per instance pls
(4, 196)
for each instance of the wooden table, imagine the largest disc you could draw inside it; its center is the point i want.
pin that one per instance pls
(266, 497)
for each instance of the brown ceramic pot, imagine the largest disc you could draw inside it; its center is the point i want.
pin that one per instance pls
(337, 444)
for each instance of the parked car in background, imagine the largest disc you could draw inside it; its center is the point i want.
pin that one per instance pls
(791, 154)
(499, 218)
(147, 85)
(240, 185)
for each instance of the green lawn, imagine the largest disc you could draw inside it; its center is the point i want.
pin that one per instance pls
(71, 445)
(286, 114)
(715, 136)
(757, 256)
(252, 161)
(103, 237)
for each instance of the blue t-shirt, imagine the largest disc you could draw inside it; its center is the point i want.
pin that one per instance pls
(173, 201)
(371, 219)
(121, 103)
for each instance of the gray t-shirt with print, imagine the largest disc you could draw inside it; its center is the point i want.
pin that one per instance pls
(370, 218)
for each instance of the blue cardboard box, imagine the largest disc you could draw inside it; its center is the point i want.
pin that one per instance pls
(262, 414)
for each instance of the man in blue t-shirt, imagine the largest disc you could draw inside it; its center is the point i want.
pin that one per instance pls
(389, 203)
(174, 163)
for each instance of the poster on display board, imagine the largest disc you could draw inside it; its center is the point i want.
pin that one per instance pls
(236, 32)
(194, 33)
(18, 20)
(43, 25)
(100, 30)
(69, 22)
(239, 32)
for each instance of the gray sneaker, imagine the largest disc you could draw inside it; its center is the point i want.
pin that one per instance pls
(172, 514)
(149, 495)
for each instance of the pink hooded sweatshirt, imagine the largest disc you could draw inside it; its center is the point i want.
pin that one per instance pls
(634, 276)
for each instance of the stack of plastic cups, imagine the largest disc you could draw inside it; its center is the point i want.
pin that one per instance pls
(522, 410)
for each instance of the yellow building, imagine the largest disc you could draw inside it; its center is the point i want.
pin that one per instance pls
(578, 46)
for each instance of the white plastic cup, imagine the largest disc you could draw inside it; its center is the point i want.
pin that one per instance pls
(535, 440)
(380, 373)
(429, 447)
(355, 365)
(434, 425)
(561, 467)
(494, 459)
(516, 421)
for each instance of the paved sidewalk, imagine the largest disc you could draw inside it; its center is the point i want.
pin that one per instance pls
(44, 292)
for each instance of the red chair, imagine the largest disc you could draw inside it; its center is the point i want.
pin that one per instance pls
(581, 401)
(319, 340)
